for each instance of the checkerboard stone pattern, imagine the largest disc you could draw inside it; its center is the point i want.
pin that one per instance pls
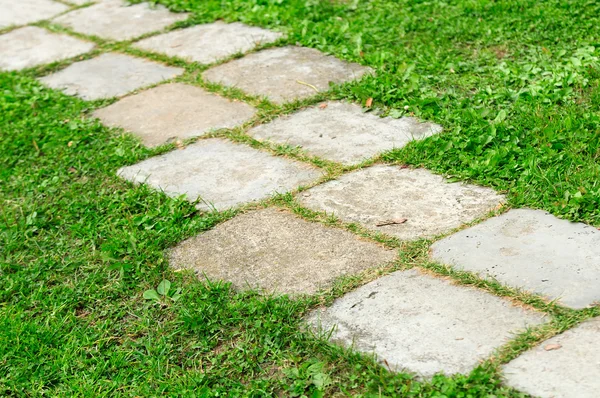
(174, 111)
(423, 324)
(32, 46)
(277, 252)
(23, 12)
(342, 132)
(533, 250)
(210, 42)
(565, 366)
(380, 194)
(115, 20)
(221, 174)
(284, 74)
(109, 75)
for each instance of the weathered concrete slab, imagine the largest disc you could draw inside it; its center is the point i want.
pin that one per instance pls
(32, 46)
(566, 366)
(221, 173)
(342, 132)
(423, 324)
(118, 21)
(284, 74)
(430, 205)
(172, 111)
(109, 75)
(23, 12)
(533, 250)
(276, 251)
(210, 42)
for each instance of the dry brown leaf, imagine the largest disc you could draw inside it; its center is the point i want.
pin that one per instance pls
(396, 221)
(369, 102)
(552, 347)
(323, 105)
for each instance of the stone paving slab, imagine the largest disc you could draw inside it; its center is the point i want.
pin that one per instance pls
(378, 194)
(23, 12)
(278, 252)
(282, 74)
(423, 324)
(533, 250)
(32, 46)
(210, 42)
(221, 173)
(342, 132)
(566, 366)
(109, 75)
(172, 111)
(118, 21)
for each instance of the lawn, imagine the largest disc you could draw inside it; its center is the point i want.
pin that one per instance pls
(514, 83)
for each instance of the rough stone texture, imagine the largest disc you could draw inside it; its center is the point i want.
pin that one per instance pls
(277, 252)
(342, 132)
(115, 20)
(32, 46)
(174, 111)
(109, 75)
(208, 43)
(221, 173)
(23, 12)
(276, 73)
(571, 371)
(380, 193)
(423, 324)
(533, 250)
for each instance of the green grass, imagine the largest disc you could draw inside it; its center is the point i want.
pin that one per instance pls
(515, 83)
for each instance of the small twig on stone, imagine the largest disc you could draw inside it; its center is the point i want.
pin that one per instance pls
(391, 222)
(309, 85)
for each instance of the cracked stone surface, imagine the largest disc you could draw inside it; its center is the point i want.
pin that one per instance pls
(430, 205)
(565, 366)
(342, 132)
(210, 42)
(118, 21)
(220, 173)
(423, 324)
(23, 12)
(284, 74)
(172, 111)
(533, 250)
(32, 46)
(109, 75)
(276, 251)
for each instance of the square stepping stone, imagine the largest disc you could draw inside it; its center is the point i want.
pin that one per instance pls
(406, 203)
(565, 366)
(220, 173)
(533, 250)
(174, 111)
(285, 74)
(342, 132)
(423, 324)
(32, 46)
(109, 75)
(115, 20)
(23, 12)
(208, 43)
(275, 251)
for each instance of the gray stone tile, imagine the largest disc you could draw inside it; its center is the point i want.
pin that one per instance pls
(278, 252)
(109, 75)
(222, 174)
(533, 250)
(172, 111)
(23, 12)
(208, 43)
(282, 74)
(430, 205)
(115, 20)
(566, 366)
(32, 46)
(342, 132)
(423, 324)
